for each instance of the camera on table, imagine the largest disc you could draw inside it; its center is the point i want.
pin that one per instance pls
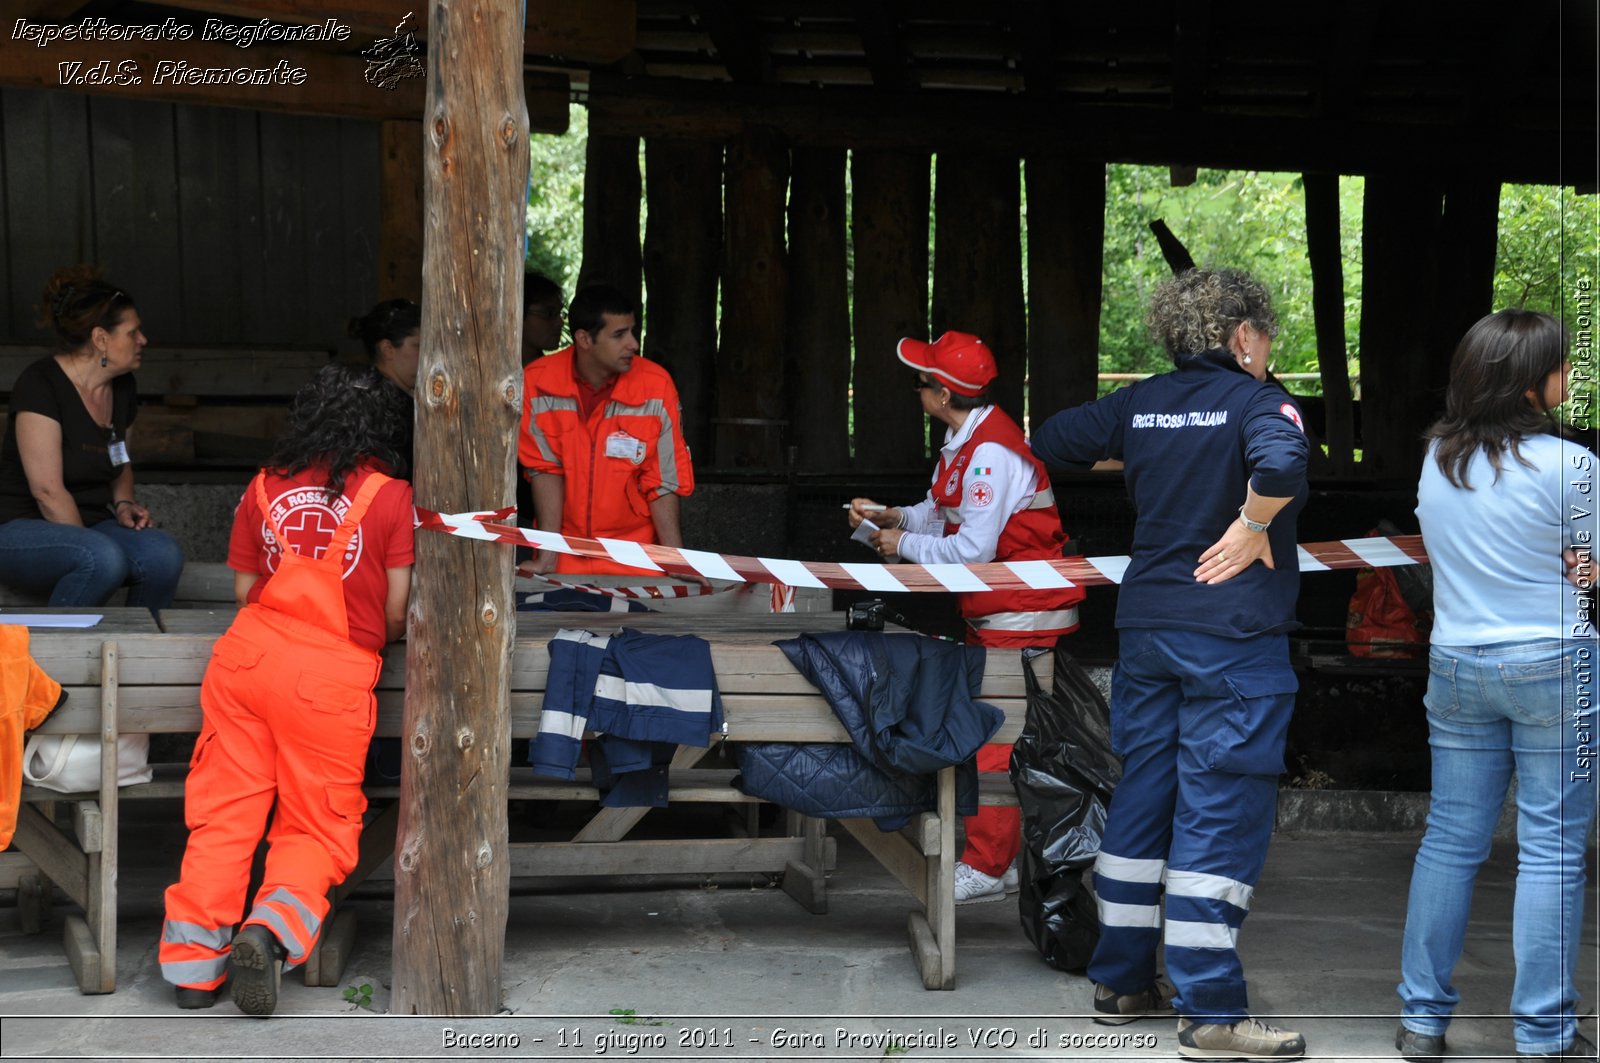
(866, 616)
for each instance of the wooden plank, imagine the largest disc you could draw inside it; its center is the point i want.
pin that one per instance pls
(281, 79)
(101, 910)
(819, 352)
(209, 211)
(353, 235)
(941, 887)
(889, 229)
(57, 858)
(336, 946)
(678, 856)
(14, 867)
(450, 848)
(328, 308)
(233, 372)
(136, 221)
(750, 379)
(597, 31)
(258, 318)
(613, 824)
(611, 193)
(49, 205)
(88, 826)
(1066, 241)
(87, 961)
(682, 249)
(898, 856)
(1327, 308)
(977, 263)
(400, 210)
(284, 290)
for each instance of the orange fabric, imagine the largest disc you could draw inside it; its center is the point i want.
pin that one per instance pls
(608, 486)
(289, 712)
(27, 696)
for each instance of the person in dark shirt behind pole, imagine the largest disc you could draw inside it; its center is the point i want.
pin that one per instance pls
(1215, 461)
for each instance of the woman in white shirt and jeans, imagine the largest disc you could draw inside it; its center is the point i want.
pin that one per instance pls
(1511, 680)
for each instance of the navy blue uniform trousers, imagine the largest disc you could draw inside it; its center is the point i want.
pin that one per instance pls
(1199, 721)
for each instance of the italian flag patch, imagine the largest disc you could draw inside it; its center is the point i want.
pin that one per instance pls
(982, 470)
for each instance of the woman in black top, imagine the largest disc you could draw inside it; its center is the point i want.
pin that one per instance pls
(72, 527)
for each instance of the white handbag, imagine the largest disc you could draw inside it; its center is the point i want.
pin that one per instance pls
(71, 763)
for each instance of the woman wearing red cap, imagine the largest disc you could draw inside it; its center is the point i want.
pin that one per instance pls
(990, 501)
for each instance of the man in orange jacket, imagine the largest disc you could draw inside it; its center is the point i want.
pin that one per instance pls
(601, 440)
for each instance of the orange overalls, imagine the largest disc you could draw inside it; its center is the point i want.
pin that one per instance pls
(27, 696)
(289, 712)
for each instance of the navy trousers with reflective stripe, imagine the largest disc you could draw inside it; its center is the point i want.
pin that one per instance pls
(1199, 721)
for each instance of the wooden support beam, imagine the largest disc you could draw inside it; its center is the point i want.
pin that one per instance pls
(1191, 54)
(1399, 248)
(452, 876)
(292, 80)
(889, 229)
(977, 263)
(595, 31)
(755, 285)
(1047, 125)
(879, 25)
(819, 344)
(1066, 245)
(733, 33)
(400, 212)
(1327, 308)
(682, 258)
(611, 192)
(1035, 36)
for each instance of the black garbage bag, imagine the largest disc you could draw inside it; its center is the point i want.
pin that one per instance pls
(1064, 772)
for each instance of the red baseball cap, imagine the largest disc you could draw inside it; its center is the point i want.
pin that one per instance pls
(961, 361)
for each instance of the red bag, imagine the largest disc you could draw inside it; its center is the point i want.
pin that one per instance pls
(1379, 623)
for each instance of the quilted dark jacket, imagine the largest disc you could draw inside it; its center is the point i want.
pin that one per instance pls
(909, 705)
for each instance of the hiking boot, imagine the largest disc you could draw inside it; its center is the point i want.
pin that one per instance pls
(1010, 881)
(255, 967)
(1112, 1009)
(1422, 1047)
(974, 887)
(192, 999)
(1245, 1039)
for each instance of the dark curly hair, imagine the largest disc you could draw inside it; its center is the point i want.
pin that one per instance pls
(343, 417)
(76, 301)
(1199, 309)
(392, 320)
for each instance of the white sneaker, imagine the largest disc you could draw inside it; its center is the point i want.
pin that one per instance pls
(974, 887)
(1010, 881)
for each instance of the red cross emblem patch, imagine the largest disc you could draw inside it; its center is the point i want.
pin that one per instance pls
(308, 522)
(980, 493)
(1288, 410)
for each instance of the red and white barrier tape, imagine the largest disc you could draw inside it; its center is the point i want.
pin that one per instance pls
(646, 593)
(1377, 552)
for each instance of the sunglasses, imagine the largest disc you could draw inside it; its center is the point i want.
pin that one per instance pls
(919, 384)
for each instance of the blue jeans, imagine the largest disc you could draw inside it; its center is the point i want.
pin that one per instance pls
(85, 566)
(1200, 722)
(1528, 706)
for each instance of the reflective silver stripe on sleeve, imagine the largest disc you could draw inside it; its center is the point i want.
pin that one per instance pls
(667, 445)
(1114, 914)
(1046, 620)
(1128, 869)
(546, 404)
(1210, 887)
(194, 972)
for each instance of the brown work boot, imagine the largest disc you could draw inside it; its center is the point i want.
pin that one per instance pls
(1112, 1009)
(1245, 1039)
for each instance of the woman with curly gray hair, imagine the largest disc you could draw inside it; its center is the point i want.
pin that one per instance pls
(321, 553)
(1215, 460)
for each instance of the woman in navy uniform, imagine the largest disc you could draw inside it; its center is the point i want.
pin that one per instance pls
(1215, 461)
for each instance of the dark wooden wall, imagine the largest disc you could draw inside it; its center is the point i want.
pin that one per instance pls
(229, 226)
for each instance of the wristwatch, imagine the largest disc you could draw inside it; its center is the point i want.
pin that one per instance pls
(1253, 525)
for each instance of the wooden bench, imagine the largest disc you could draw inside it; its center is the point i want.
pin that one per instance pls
(122, 681)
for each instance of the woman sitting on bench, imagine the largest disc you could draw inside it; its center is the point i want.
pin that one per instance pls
(72, 528)
(321, 551)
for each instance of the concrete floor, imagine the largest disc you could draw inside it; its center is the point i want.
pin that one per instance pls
(716, 972)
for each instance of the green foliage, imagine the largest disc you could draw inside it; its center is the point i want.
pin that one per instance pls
(359, 995)
(1547, 239)
(630, 1017)
(555, 201)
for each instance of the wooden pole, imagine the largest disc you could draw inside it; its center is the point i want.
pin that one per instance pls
(452, 875)
(889, 228)
(1066, 245)
(611, 189)
(400, 212)
(1327, 308)
(977, 263)
(682, 256)
(819, 312)
(755, 283)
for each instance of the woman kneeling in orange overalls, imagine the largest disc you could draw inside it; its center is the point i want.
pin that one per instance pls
(321, 553)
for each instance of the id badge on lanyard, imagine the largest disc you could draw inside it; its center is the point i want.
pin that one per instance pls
(117, 449)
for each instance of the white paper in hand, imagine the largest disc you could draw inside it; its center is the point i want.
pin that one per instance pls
(863, 534)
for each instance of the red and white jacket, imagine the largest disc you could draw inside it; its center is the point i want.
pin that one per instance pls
(991, 501)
